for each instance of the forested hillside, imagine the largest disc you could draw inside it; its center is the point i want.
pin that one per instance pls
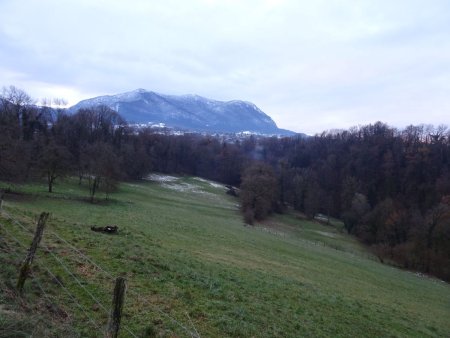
(391, 187)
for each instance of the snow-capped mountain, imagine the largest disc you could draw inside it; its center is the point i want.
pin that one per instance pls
(190, 112)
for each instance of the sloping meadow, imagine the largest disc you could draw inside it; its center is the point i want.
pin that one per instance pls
(194, 268)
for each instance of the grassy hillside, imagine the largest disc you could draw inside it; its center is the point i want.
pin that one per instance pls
(191, 264)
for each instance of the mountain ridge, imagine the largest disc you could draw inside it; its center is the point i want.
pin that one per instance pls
(190, 112)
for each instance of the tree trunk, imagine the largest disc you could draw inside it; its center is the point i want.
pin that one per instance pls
(50, 182)
(94, 187)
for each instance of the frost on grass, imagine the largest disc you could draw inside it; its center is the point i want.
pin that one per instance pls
(181, 187)
(190, 189)
(212, 184)
(161, 178)
(172, 183)
(176, 184)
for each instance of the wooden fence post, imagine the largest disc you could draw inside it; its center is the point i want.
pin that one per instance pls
(32, 251)
(117, 305)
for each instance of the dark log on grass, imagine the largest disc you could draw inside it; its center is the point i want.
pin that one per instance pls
(109, 229)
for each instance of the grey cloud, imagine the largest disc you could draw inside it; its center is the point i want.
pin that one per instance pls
(310, 65)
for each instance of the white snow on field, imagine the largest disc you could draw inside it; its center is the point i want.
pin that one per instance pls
(215, 185)
(161, 178)
(182, 187)
(172, 182)
(176, 184)
(192, 189)
(201, 179)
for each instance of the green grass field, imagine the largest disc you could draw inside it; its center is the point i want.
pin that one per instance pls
(189, 260)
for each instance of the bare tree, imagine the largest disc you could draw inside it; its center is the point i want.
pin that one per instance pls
(15, 100)
(54, 162)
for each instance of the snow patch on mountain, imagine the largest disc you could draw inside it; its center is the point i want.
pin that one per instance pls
(189, 112)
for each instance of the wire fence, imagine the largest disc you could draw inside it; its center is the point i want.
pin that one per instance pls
(82, 284)
(54, 277)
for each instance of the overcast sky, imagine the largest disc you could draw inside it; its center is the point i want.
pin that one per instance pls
(311, 65)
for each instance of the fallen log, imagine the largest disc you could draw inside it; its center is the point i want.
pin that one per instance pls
(109, 229)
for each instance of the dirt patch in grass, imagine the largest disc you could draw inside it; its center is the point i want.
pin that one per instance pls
(87, 270)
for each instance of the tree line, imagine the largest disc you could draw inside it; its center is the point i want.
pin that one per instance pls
(99, 147)
(390, 187)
